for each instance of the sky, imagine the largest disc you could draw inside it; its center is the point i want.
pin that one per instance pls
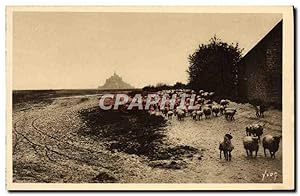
(78, 50)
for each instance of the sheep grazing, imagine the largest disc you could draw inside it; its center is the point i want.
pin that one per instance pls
(205, 95)
(272, 144)
(260, 109)
(251, 145)
(255, 130)
(180, 114)
(215, 109)
(226, 146)
(190, 109)
(199, 114)
(229, 113)
(209, 101)
(200, 101)
(224, 102)
(170, 114)
(222, 108)
(165, 111)
(207, 111)
(194, 115)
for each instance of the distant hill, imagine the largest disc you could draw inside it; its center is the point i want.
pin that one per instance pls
(115, 82)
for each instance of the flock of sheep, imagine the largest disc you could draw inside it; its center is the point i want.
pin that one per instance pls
(251, 144)
(208, 108)
(203, 101)
(183, 103)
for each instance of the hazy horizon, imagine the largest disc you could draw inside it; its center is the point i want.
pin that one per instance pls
(80, 50)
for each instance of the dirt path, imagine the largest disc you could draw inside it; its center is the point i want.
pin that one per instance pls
(206, 134)
(47, 148)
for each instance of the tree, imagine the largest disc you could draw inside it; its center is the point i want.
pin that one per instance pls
(214, 67)
(179, 85)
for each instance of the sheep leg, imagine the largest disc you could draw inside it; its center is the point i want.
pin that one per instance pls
(265, 152)
(256, 153)
(220, 154)
(229, 156)
(225, 155)
(247, 152)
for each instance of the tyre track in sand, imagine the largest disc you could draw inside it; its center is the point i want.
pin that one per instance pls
(57, 149)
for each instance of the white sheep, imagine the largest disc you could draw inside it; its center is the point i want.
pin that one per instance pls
(170, 114)
(251, 145)
(254, 129)
(207, 111)
(229, 113)
(199, 114)
(180, 114)
(215, 109)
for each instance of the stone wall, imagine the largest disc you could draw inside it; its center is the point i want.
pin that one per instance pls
(260, 70)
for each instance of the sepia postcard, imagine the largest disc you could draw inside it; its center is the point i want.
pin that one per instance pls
(150, 98)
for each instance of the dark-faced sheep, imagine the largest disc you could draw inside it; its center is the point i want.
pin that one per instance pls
(272, 144)
(180, 115)
(255, 130)
(224, 102)
(194, 115)
(260, 109)
(170, 114)
(209, 101)
(215, 109)
(229, 113)
(251, 145)
(200, 101)
(207, 111)
(226, 147)
(165, 111)
(205, 95)
(199, 114)
(222, 108)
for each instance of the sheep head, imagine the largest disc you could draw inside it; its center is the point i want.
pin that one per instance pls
(277, 139)
(229, 136)
(255, 139)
